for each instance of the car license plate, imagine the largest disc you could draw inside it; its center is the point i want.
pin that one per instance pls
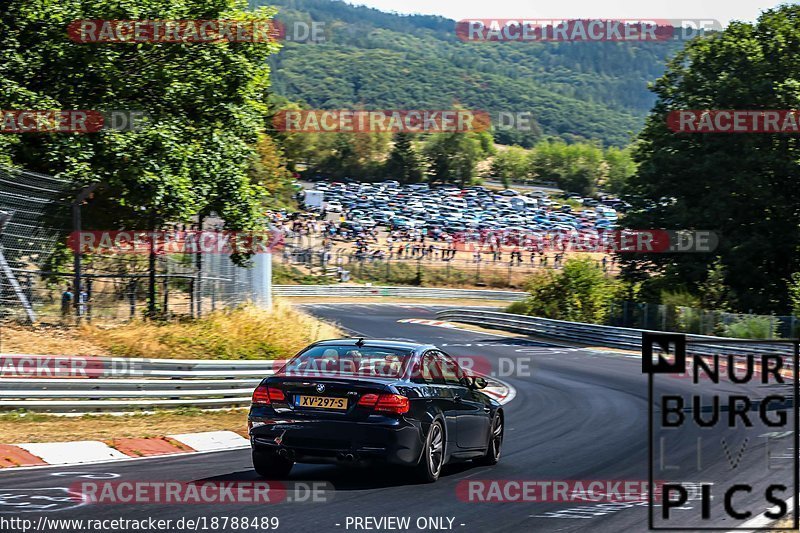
(322, 402)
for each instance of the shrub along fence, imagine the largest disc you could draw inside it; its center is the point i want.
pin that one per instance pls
(702, 321)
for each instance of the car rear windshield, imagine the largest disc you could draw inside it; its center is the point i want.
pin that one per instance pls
(365, 361)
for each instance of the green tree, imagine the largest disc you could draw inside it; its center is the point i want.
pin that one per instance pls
(404, 163)
(574, 167)
(205, 103)
(742, 186)
(714, 292)
(454, 157)
(509, 165)
(620, 166)
(269, 171)
(794, 293)
(353, 155)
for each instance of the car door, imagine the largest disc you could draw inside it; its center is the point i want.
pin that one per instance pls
(471, 412)
(440, 395)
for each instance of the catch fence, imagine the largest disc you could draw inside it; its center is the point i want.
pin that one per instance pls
(44, 280)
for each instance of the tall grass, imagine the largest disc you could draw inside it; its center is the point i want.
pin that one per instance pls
(247, 332)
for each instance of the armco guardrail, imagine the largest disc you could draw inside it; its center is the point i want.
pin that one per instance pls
(63, 384)
(597, 335)
(68, 384)
(349, 291)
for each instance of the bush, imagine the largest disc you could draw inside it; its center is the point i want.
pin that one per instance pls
(580, 292)
(289, 275)
(752, 327)
(519, 308)
(679, 299)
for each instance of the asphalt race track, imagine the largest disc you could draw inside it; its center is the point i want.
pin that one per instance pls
(578, 415)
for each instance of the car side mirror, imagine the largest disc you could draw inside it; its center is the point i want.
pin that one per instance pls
(476, 382)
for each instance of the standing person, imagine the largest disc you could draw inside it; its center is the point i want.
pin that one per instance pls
(66, 302)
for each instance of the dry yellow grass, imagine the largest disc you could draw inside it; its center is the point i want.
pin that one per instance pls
(784, 525)
(247, 332)
(19, 428)
(47, 340)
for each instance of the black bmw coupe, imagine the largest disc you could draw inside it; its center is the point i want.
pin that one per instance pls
(354, 401)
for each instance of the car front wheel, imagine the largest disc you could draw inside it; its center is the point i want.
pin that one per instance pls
(495, 442)
(432, 460)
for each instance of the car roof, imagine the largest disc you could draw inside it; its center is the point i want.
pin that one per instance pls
(380, 343)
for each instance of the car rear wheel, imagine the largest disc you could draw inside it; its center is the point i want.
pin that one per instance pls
(271, 466)
(432, 460)
(495, 442)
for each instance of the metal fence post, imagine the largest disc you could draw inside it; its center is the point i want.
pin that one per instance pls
(89, 299)
(82, 196)
(191, 297)
(132, 298)
(198, 285)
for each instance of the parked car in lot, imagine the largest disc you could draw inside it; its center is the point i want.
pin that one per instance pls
(408, 207)
(353, 401)
(351, 226)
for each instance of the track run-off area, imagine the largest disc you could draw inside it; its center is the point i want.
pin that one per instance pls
(574, 414)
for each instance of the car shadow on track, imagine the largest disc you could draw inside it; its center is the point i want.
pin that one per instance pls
(347, 478)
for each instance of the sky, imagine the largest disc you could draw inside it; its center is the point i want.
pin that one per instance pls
(720, 10)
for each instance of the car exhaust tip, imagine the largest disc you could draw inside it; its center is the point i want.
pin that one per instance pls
(349, 457)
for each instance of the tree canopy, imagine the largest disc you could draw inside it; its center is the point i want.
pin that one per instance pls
(205, 106)
(744, 186)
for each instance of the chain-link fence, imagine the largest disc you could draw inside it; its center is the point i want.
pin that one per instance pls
(432, 267)
(33, 211)
(702, 321)
(41, 280)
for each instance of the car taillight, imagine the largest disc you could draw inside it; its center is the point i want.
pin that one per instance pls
(261, 396)
(385, 403)
(276, 395)
(266, 395)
